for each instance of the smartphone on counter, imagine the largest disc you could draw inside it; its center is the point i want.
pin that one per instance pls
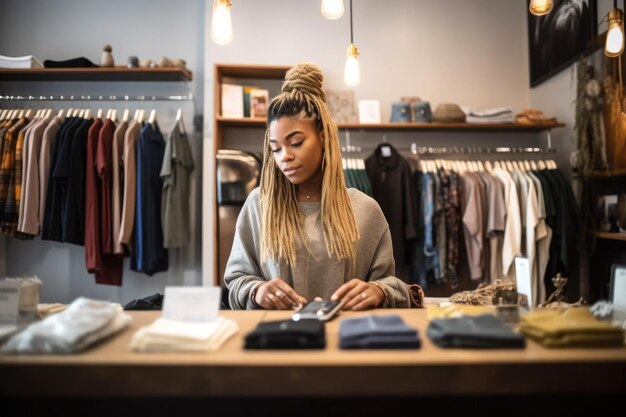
(321, 310)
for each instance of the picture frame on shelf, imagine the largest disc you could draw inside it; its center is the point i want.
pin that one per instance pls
(259, 103)
(369, 111)
(559, 38)
(341, 105)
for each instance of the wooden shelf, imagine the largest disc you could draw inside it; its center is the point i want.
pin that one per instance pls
(604, 174)
(260, 122)
(609, 235)
(96, 74)
(251, 71)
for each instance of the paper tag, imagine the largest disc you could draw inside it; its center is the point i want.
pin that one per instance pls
(192, 304)
(385, 151)
(523, 282)
(618, 290)
(9, 301)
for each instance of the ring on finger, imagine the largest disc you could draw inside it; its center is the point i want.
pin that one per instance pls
(363, 295)
(278, 293)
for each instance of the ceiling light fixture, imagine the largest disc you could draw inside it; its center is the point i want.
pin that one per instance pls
(332, 9)
(614, 45)
(540, 7)
(221, 22)
(352, 72)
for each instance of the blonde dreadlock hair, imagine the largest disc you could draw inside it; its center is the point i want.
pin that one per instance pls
(282, 220)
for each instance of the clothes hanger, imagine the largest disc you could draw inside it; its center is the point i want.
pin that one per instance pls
(533, 165)
(509, 166)
(142, 116)
(60, 114)
(152, 117)
(488, 167)
(88, 114)
(553, 164)
(114, 115)
(125, 115)
(3, 113)
(179, 120)
(29, 113)
(99, 114)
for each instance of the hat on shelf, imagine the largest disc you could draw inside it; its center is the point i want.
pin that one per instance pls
(448, 113)
(80, 62)
(533, 116)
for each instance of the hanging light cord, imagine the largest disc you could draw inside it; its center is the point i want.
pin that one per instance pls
(351, 33)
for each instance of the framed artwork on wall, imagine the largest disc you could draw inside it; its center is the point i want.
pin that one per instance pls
(561, 37)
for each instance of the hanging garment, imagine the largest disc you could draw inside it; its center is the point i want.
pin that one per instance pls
(512, 242)
(45, 160)
(392, 186)
(176, 175)
(57, 181)
(74, 215)
(28, 221)
(117, 165)
(130, 184)
(149, 256)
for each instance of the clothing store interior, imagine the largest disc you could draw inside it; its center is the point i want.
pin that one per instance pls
(161, 250)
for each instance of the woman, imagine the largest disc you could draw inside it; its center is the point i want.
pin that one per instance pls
(302, 234)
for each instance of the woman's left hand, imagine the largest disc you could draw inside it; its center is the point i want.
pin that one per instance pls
(359, 295)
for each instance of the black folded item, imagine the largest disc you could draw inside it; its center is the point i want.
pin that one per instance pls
(484, 331)
(377, 332)
(151, 302)
(287, 334)
(81, 62)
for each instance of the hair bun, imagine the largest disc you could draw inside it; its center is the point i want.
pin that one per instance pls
(305, 78)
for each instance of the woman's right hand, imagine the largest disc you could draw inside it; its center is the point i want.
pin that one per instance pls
(276, 294)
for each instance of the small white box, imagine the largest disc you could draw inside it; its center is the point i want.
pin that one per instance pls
(18, 300)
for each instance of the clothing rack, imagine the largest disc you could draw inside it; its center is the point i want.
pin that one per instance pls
(187, 97)
(455, 150)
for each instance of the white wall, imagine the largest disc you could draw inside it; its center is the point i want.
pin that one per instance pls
(64, 29)
(470, 52)
(466, 52)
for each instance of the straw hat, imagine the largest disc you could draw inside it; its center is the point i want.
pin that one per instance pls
(448, 113)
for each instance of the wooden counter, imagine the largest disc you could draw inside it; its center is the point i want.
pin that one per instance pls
(112, 369)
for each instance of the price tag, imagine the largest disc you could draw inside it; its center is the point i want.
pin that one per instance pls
(9, 301)
(192, 304)
(523, 282)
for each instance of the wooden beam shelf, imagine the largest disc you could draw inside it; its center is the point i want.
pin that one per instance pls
(96, 74)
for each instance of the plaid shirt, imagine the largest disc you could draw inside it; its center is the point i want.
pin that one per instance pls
(6, 167)
(13, 172)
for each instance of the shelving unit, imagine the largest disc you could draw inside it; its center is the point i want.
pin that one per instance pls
(474, 127)
(96, 74)
(609, 235)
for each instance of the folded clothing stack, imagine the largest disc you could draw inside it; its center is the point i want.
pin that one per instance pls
(166, 335)
(82, 324)
(20, 62)
(377, 332)
(287, 334)
(572, 327)
(482, 331)
(495, 115)
(533, 117)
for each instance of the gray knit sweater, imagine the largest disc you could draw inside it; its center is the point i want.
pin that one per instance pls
(315, 274)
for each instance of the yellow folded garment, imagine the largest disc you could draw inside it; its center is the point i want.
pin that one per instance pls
(571, 327)
(457, 310)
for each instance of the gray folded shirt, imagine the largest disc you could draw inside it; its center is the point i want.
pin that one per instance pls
(377, 332)
(484, 331)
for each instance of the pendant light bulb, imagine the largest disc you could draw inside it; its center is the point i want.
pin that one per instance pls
(352, 71)
(332, 9)
(540, 7)
(221, 22)
(615, 34)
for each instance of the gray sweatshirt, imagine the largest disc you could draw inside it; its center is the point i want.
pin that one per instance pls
(315, 274)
